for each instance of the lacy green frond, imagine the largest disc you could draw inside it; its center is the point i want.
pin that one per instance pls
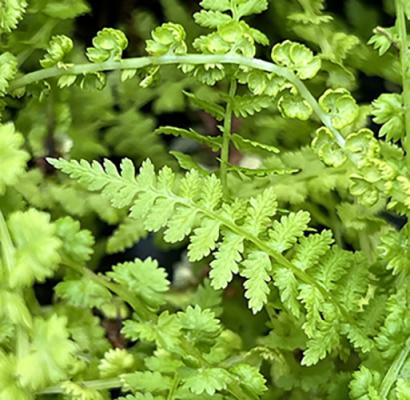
(12, 12)
(194, 204)
(8, 71)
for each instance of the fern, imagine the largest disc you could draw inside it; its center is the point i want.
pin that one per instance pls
(130, 231)
(201, 215)
(295, 281)
(159, 197)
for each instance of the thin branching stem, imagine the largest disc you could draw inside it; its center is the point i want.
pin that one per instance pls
(393, 372)
(195, 59)
(138, 307)
(97, 384)
(174, 387)
(227, 132)
(7, 247)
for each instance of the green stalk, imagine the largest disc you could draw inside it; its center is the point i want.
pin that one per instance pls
(404, 60)
(392, 374)
(227, 132)
(141, 311)
(194, 59)
(7, 247)
(98, 384)
(175, 384)
(8, 250)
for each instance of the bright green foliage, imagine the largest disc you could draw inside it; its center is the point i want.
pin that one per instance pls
(9, 388)
(8, 70)
(206, 380)
(11, 13)
(203, 239)
(214, 143)
(49, 341)
(226, 261)
(77, 243)
(257, 266)
(383, 39)
(143, 278)
(239, 8)
(200, 325)
(396, 326)
(108, 45)
(115, 361)
(150, 382)
(394, 248)
(127, 233)
(188, 208)
(297, 58)
(83, 293)
(37, 249)
(59, 46)
(327, 149)
(312, 248)
(87, 173)
(13, 158)
(251, 378)
(293, 106)
(243, 106)
(292, 283)
(362, 146)
(284, 234)
(167, 39)
(249, 146)
(77, 392)
(388, 110)
(341, 106)
(364, 385)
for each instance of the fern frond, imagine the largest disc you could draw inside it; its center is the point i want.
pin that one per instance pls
(311, 249)
(288, 287)
(130, 231)
(260, 211)
(244, 106)
(227, 259)
(286, 232)
(117, 186)
(257, 267)
(204, 239)
(193, 207)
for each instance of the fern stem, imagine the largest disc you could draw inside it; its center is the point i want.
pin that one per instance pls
(404, 59)
(138, 307)
(227, 131)
(171, 393)
(392, 374)
(8, 250)
(197, 59)
(97, 384)
(6, 244)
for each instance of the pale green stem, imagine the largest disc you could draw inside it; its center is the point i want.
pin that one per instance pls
(98, 384)
(138, 307)
(195, 59)
(6, 244)
(175, 384)
(393, 373)
(227, 137)
(8, 250)
(404, 60)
